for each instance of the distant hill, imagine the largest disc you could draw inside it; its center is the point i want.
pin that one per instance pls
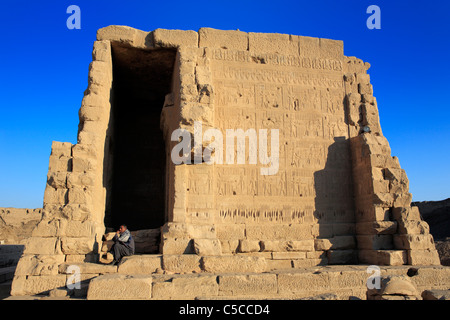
(437, 215)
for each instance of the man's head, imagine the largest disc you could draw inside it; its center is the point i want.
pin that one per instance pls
(122, 228)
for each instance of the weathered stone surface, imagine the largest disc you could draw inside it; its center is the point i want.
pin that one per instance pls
(413, 227)
(278, 232)
(17, 224)
(405, 213)
(392, 257)
(306, 263)
(295, 245)
(230, 264)
(38, 245)
(249, 246)
(300, 245)
(86, 268)
(181, 263)
(230, 232)
(177, 246)
(58, 293)
(288, 255)
(230, 39)
(185, 287)
(175, 38)
(279, 264)
(272, 43)
(436, 295)
(79, 229)
(125, 34)
(247, 284)
(140, 264)
(423, 257)
(325, 296)
(47, 228)
(61, 149)
(301, 282)
(229, 246)
(39, 265)
(78, 245)
(55, 196)
(79, 258)
(188, 231)
(399, 286)
(101, 51)
(207, 247)
(394, 287)
(120, 287)
(420, 242)
(30, 285)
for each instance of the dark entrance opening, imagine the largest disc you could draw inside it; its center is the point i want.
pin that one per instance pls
(141, 79)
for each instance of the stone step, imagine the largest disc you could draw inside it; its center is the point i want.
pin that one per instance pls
(120, 287)
(191, 263)
(345, 282)
(304, 296)
(190, 276)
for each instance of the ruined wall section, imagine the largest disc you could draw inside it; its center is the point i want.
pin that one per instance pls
(389, 231)
(72, 224)
(16, 224)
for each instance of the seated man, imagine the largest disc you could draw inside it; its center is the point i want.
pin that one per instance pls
(123, 244)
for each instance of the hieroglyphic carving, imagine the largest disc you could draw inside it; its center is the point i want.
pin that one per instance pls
(250, 215)
(231, 118)
(230, 94)
(303, 99)
(235, 180)
(331, 80)
(277, 60)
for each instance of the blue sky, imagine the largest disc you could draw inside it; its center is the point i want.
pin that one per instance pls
(44, 68)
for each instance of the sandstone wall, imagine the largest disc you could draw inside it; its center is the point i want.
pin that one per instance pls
(389, 230)
(72, 223)
(238, 80)
(17, 224)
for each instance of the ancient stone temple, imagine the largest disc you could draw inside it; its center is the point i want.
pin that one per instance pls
(242, 152)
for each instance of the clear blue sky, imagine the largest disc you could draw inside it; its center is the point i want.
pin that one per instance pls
(44, 68)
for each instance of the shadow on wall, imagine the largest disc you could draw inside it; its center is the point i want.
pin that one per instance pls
(334, 205)
(9, 257)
